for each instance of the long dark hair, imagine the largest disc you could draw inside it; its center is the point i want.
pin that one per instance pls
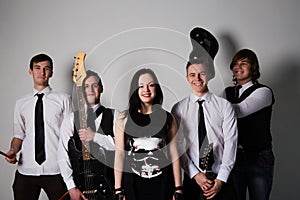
(134, 99)
(252, 58)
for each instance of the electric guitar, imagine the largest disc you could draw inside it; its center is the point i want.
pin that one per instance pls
(88, 172)
(207, 162)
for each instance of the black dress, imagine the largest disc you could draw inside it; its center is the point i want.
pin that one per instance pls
(148, 170)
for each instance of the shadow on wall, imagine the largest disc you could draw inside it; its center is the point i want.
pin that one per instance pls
(285, 127)
(229, 43)
(228, 47)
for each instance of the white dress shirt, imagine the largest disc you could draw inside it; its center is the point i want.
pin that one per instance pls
(257, 100)
(55, 107)
(221, 127)
(67, 130)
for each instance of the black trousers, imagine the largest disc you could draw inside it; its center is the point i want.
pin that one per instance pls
(192, 191)
(29, 187)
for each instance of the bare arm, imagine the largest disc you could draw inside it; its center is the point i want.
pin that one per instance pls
(175, 156)
(15, 147)
(176, 165)
(120, 150)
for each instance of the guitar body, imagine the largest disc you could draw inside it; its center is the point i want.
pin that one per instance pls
(97, 176)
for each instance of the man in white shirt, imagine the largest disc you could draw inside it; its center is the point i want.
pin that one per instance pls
(220, 124)
(99, 135)
(33, 175)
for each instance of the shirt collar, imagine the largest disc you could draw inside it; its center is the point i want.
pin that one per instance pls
(245, 86)
(206, 97)
(46, 91)
(95, 107)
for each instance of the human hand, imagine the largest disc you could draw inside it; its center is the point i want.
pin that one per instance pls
(11, 157)
(76, 194)
(213, 191)
(203, 182)
(86, 134)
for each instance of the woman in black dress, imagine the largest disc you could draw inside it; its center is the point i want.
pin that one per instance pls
(146, 161)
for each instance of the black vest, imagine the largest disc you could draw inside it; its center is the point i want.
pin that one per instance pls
(254, 131)
(105, 128)
(101, 159)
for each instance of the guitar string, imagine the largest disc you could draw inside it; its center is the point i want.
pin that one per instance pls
(88, 182)
(86, 163)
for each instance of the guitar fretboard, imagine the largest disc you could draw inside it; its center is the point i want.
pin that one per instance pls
(82, 122)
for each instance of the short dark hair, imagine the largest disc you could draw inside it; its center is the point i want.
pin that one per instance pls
(252, 58)
(40, 58)
(134, 99)
(206, 61)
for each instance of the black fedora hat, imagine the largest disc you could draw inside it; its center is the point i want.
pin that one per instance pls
(202, 38)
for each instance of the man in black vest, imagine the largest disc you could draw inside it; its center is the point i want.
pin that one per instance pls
(253, 103)
(88, 175)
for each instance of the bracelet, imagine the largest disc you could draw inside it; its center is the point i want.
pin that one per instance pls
(119, 189)
(179, 188)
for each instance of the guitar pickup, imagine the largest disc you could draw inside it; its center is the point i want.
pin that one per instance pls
(90, 192)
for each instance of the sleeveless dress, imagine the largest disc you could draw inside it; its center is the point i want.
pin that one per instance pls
(148, 170)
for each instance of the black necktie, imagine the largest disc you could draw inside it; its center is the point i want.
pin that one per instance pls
(91, 117)
(237, 92)
(39, 131)
(201, 124)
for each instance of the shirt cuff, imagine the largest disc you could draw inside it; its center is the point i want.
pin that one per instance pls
(193, 171)
(223, 175)
(104, 141)
(70, 184)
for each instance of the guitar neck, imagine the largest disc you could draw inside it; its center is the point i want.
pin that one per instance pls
(82, 122)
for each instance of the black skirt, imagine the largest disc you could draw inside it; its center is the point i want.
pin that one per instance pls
(156, 188)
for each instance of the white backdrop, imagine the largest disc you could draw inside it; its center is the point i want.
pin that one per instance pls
(121, 36)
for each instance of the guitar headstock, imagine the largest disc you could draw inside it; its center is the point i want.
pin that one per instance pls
(208, 158)
(79, 72)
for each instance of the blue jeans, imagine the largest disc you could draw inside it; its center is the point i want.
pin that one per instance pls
(253, 171)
